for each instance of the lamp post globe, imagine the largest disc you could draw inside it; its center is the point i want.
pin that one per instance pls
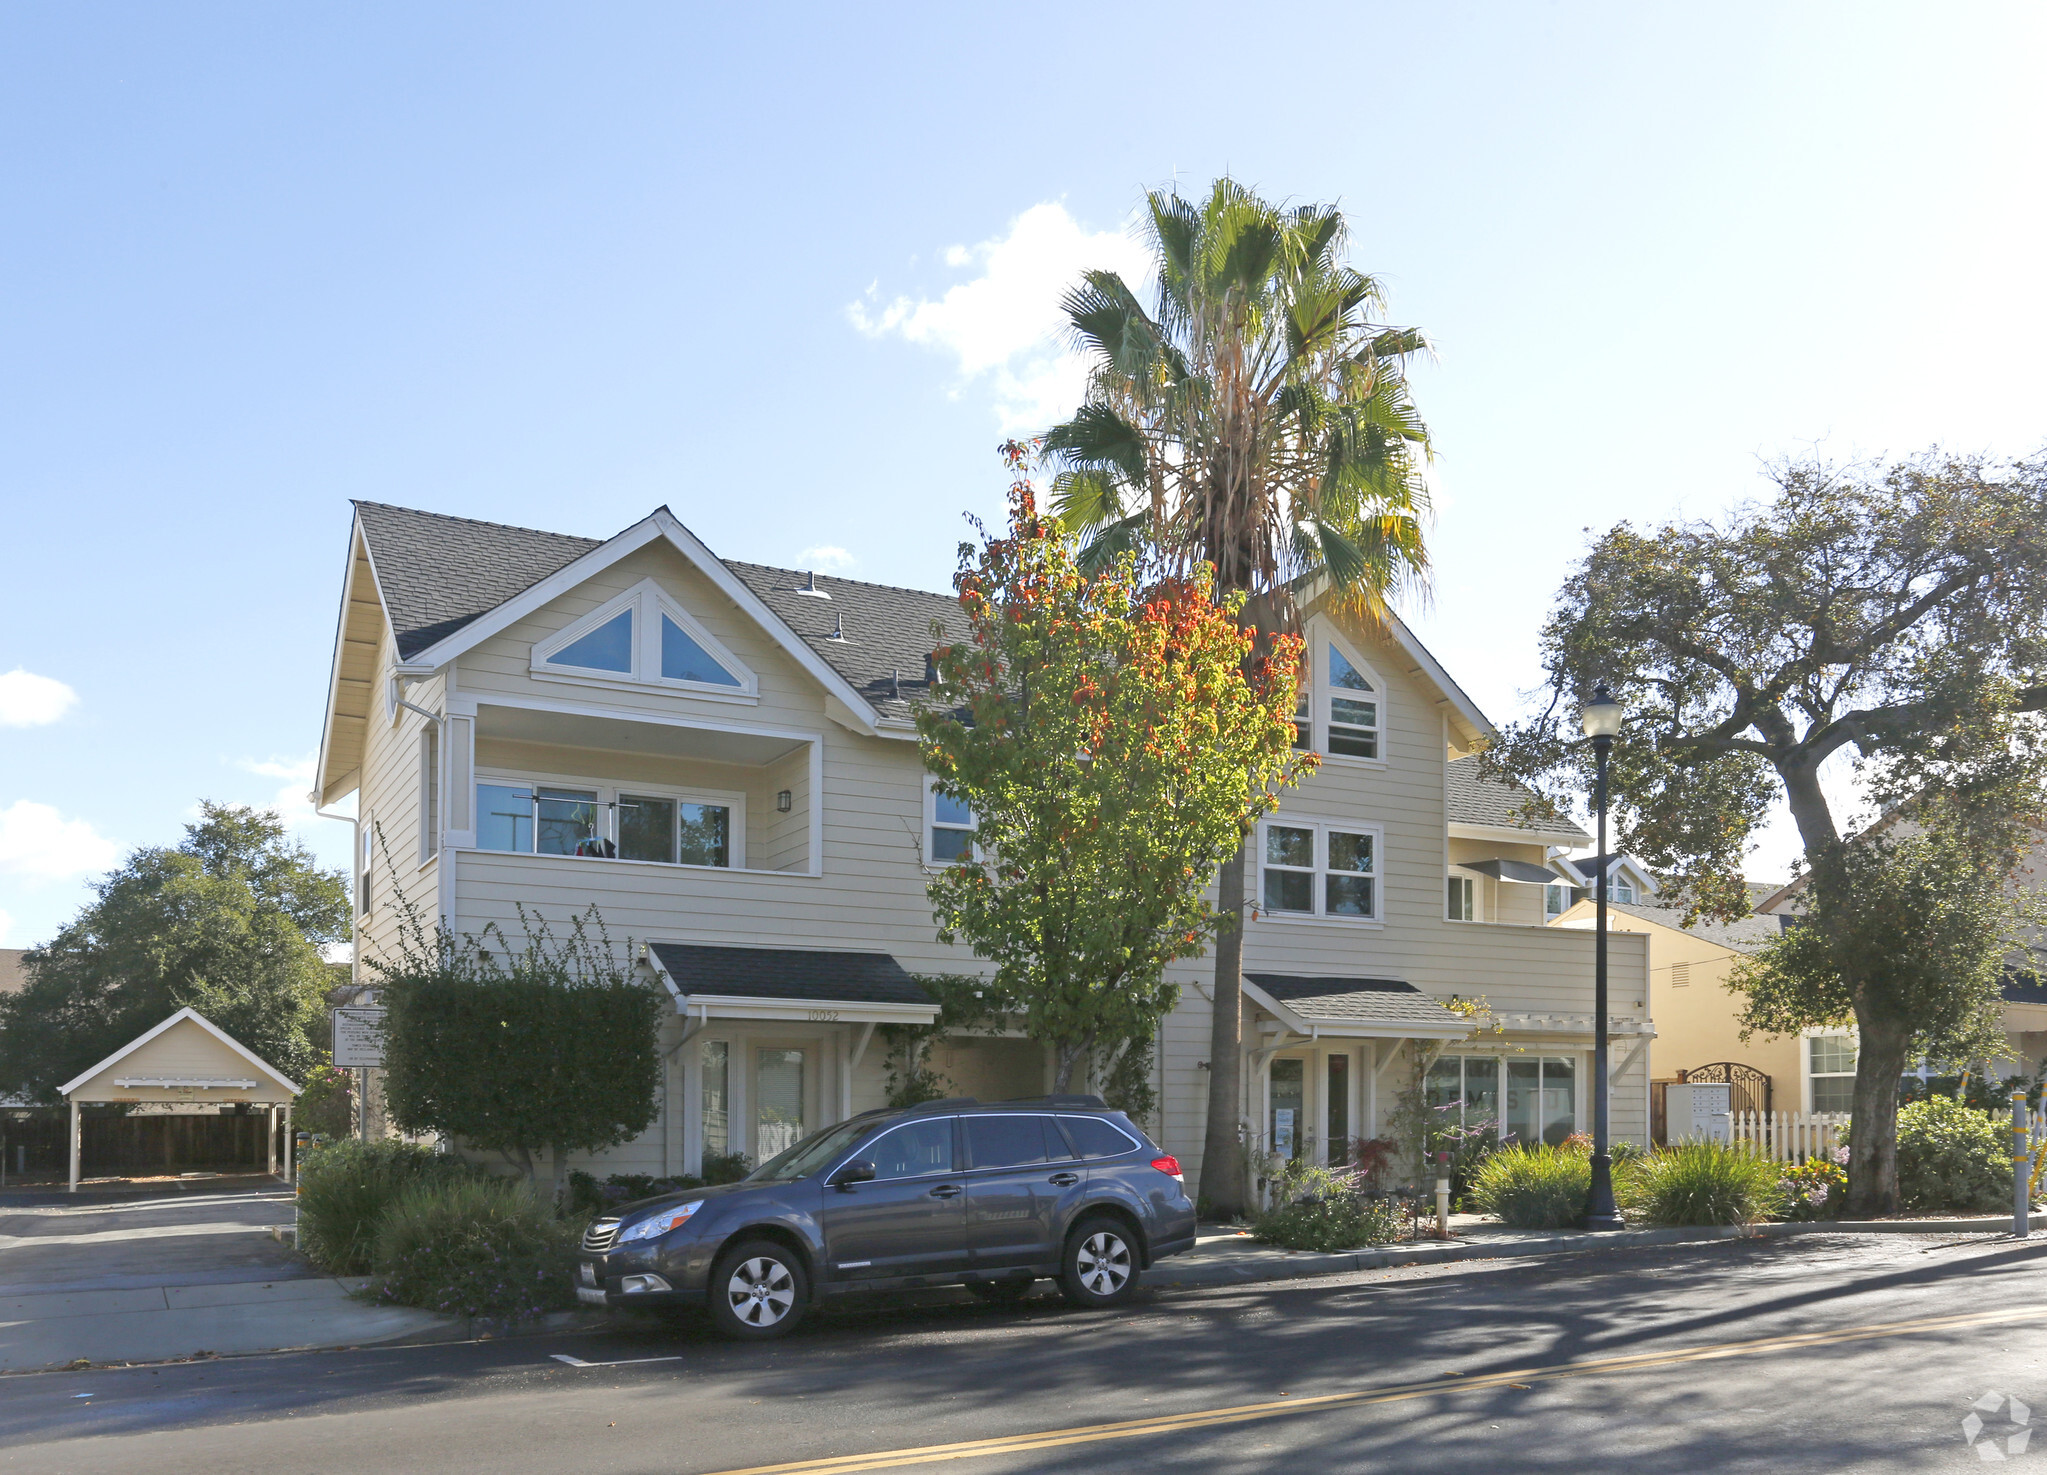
(1601, 721)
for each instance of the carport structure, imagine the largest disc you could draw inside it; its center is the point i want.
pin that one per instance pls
(186, 1060)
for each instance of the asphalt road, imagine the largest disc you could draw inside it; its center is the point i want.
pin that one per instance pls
(1817, 1353)
(171, 1239)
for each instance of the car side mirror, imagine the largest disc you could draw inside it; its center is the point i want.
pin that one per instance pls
(855, 1172)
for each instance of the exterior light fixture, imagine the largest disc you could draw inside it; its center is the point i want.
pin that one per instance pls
(783, 800)
(1602, 715)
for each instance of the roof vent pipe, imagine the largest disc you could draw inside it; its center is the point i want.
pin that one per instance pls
(895, 682)
(838, 627)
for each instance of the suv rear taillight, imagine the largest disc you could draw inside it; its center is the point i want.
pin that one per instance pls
(1170, 1166)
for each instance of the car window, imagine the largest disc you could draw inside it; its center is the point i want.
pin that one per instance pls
(1006, 1141)
(809, 1155)
(1093, 1137)
(913, 1149)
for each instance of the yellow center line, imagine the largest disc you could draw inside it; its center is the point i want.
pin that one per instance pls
(1393, 1393)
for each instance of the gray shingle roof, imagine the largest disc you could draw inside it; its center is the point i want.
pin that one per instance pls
(1743, 935)
(788, 973)
(1341, 1000)
(439, 573)
(1472, 799)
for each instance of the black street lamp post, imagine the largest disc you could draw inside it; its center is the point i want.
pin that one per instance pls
(1602, 723)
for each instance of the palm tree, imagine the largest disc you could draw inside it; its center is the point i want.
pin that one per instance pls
(1257, 418)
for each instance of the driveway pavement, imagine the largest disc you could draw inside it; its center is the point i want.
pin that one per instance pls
(156, 1279)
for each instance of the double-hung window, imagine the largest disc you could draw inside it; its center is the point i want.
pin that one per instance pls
(606, 823)
(951, 830)
(1319, 870)
(1463, 899)
(1342, 707)
(1353, 713)
(1832, 1058)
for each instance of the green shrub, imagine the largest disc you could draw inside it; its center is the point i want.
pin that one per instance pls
(478, 1247)
(1702, 1183)
(1321, 1209)
(1952, 1157)
(1538, 1187)
(587, 1196)
(726, 1167)
(344, 1189)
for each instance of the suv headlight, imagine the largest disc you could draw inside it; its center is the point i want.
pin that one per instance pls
(660, 1223)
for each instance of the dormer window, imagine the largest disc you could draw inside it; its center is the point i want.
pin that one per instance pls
(644, 636)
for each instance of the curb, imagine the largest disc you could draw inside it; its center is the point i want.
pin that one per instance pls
(1303, 1264)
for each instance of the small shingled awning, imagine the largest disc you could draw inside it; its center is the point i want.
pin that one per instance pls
(789, 983)
(1355, 1008)
(1525, 873)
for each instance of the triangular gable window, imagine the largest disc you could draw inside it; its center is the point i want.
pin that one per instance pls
(644, 636)
(607, 648)
(682, 659)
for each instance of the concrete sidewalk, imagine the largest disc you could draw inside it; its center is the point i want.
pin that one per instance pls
(157, 1323)
(1224, 1256)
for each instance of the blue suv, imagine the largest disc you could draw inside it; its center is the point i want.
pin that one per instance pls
(990, 1195)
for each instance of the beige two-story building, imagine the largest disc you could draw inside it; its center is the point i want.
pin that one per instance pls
(720, 757)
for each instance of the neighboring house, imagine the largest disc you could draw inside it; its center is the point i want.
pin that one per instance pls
(1628, 881)
(1698, 1021)
(13, 977)
(2025, 993)
(721, 757)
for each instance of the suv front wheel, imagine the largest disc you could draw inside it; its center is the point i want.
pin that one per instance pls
(1099, 1267)
(758, 1291)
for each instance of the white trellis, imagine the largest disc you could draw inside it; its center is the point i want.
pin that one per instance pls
(1790, 1136)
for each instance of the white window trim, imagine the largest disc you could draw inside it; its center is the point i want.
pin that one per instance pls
(649, 602)
(1581, 1074)
(607, 791)
(1322, 691)
(1321, 827)
(1805, 1072)
(931, 825)
(1477, 905)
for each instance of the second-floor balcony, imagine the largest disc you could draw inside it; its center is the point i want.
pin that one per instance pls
(618, 791)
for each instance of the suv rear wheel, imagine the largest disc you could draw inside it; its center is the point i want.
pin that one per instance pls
(1099, 1267)
(758, 1291)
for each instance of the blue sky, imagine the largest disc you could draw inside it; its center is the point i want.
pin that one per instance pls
(792, 273)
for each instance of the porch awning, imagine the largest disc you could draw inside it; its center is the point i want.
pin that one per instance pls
(1526, 873)
(789, 983)
(1354, 1008)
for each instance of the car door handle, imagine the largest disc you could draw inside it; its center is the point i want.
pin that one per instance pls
(1065, 1180)
(946, 1190)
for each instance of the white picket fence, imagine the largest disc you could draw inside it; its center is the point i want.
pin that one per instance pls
(1790, 1136)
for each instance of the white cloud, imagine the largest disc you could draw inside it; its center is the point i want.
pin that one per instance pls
(1005, 325)
(825, 556)
(29, 700)
(290, 801)
(37, 842)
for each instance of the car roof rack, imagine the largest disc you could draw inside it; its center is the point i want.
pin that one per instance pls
(1091, 1103)
(950, 1103)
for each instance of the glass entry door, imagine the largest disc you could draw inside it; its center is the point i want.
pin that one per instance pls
(1289, 1116)
(778, 1101)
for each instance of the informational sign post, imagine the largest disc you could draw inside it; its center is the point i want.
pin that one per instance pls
(358, 1037)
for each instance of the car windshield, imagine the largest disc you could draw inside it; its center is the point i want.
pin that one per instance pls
(809, 1155)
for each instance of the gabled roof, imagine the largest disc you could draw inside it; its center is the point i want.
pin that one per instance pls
(441, 575)
(255, 1061)
(1473, 799)
(1743, 935)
